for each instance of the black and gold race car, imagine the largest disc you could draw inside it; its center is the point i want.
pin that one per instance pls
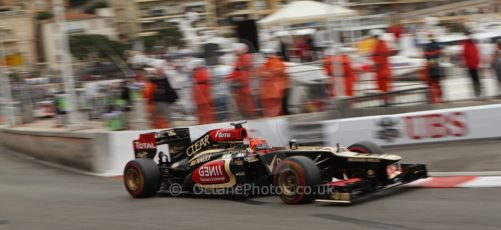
(227, 161)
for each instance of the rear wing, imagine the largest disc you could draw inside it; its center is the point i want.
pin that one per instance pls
(146, 145)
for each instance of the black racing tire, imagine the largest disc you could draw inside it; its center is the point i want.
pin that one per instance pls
(297, 177)
(366, 147)
(142, 178)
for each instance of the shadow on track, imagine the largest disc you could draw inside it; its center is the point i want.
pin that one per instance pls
(234, 198)
(365, 223)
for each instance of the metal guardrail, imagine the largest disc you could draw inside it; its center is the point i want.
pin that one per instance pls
(414, 96)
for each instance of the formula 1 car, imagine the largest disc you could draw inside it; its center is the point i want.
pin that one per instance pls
(225, 159)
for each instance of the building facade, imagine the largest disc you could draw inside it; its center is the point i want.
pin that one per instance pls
(125, 19)
(139, 18)
(230, 11)
(143, 17)
(17, 37)
(76, 23)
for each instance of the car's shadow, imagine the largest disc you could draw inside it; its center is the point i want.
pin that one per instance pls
(254, 200)
(258, 200)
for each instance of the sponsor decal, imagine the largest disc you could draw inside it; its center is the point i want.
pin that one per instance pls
(356, 159)
(197, 146)
(139, 145)
(388, 132)
(145, 142)
(220, 134)
(199, 160)
(238, 161)
(142, 155)
(171, 133)
(341, 196)
(273, 163)
(241, 154)
(228, 134)
(436, 126)
(423, 127)
(251, 158)
(211, 173)
(392, 171)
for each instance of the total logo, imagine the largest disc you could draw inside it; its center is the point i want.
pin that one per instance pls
(140, 145)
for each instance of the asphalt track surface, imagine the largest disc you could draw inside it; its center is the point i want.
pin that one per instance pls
(36, 196)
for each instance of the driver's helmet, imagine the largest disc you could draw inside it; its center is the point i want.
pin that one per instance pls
(259, 144)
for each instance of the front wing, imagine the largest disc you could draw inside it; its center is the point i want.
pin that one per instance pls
(347, 191)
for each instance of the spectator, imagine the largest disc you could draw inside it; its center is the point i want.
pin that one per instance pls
(125, 94)
(302, 48)
(148, 91)
(433, 52)
(274, 82)
(348, 73)
(472, 61)
(240, 81)
(163, 96)
(221, 92)
(202, 94)
(319, 41)
(310, 48)
(284, 49)
(397, 30)
(61, 108)
(380, 57)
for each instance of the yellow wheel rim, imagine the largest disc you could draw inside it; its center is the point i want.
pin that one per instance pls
(133, 179)
(289, 182)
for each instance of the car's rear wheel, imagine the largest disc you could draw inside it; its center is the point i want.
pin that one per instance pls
(297, 177)
(142, 178)
(366, 147)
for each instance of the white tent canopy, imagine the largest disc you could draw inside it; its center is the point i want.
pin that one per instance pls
(305, 12)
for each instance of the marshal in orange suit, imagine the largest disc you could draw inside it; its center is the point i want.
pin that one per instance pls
(241, 82)
(349, 74)
(202, 95)
(274, 83)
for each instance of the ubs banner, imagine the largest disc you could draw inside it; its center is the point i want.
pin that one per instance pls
(418, 127)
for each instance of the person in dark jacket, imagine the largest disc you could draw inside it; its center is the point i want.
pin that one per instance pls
(163, 96)
(433, 52)
(125, 94)
(472, 61)
(284, 50)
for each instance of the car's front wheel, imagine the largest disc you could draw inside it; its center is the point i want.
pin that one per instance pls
(297, 178)
(142, 178)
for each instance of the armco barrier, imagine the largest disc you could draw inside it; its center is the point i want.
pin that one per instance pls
(106, 153)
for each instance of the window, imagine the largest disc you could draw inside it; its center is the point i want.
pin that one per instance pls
(261, 5)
